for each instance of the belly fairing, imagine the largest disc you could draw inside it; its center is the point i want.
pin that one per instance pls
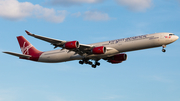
(55, 56)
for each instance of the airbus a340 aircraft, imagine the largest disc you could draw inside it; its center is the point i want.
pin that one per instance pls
(111, 51)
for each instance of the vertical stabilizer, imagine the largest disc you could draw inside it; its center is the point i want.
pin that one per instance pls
(28, 49)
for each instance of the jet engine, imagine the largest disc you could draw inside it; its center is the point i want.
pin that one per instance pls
(117, 58)
(71, 45)
(99, 50)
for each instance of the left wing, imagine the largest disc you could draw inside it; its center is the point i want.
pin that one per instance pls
(82, 48)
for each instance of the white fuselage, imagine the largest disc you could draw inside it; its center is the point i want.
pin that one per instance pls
(113, 47)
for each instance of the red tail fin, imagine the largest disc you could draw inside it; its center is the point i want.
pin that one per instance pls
(28, 49)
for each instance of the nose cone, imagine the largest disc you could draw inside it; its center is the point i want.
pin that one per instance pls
(174, 38)
(177, 37)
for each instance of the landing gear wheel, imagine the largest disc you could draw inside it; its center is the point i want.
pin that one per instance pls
(97, 63)
(81, 62)
(163, 50)
(93, 66)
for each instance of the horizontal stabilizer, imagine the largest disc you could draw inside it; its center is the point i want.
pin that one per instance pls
(18, 55)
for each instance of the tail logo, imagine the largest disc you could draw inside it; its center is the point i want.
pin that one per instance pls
(25, 49)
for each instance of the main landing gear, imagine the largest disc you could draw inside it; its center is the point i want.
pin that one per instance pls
(96, 64)
(86, 61)
(164, 50)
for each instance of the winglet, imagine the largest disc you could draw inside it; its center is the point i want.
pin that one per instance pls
(28, 32)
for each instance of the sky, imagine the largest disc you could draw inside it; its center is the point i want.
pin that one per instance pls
(147, 75)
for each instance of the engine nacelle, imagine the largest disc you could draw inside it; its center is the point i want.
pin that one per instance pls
(118, 58)
(99, 50)
(114, 61)
(71, 45)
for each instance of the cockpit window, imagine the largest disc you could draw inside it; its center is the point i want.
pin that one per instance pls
(171, 34)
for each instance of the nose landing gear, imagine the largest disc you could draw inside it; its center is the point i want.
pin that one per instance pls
(164, 50)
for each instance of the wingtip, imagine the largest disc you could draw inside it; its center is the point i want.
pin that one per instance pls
(28, 33)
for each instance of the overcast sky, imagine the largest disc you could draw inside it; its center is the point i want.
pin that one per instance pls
(147, 75)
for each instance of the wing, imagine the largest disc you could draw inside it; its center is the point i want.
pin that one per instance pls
(83, 49)
(55, 42)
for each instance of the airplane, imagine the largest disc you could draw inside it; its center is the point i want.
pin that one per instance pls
(112, 51)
